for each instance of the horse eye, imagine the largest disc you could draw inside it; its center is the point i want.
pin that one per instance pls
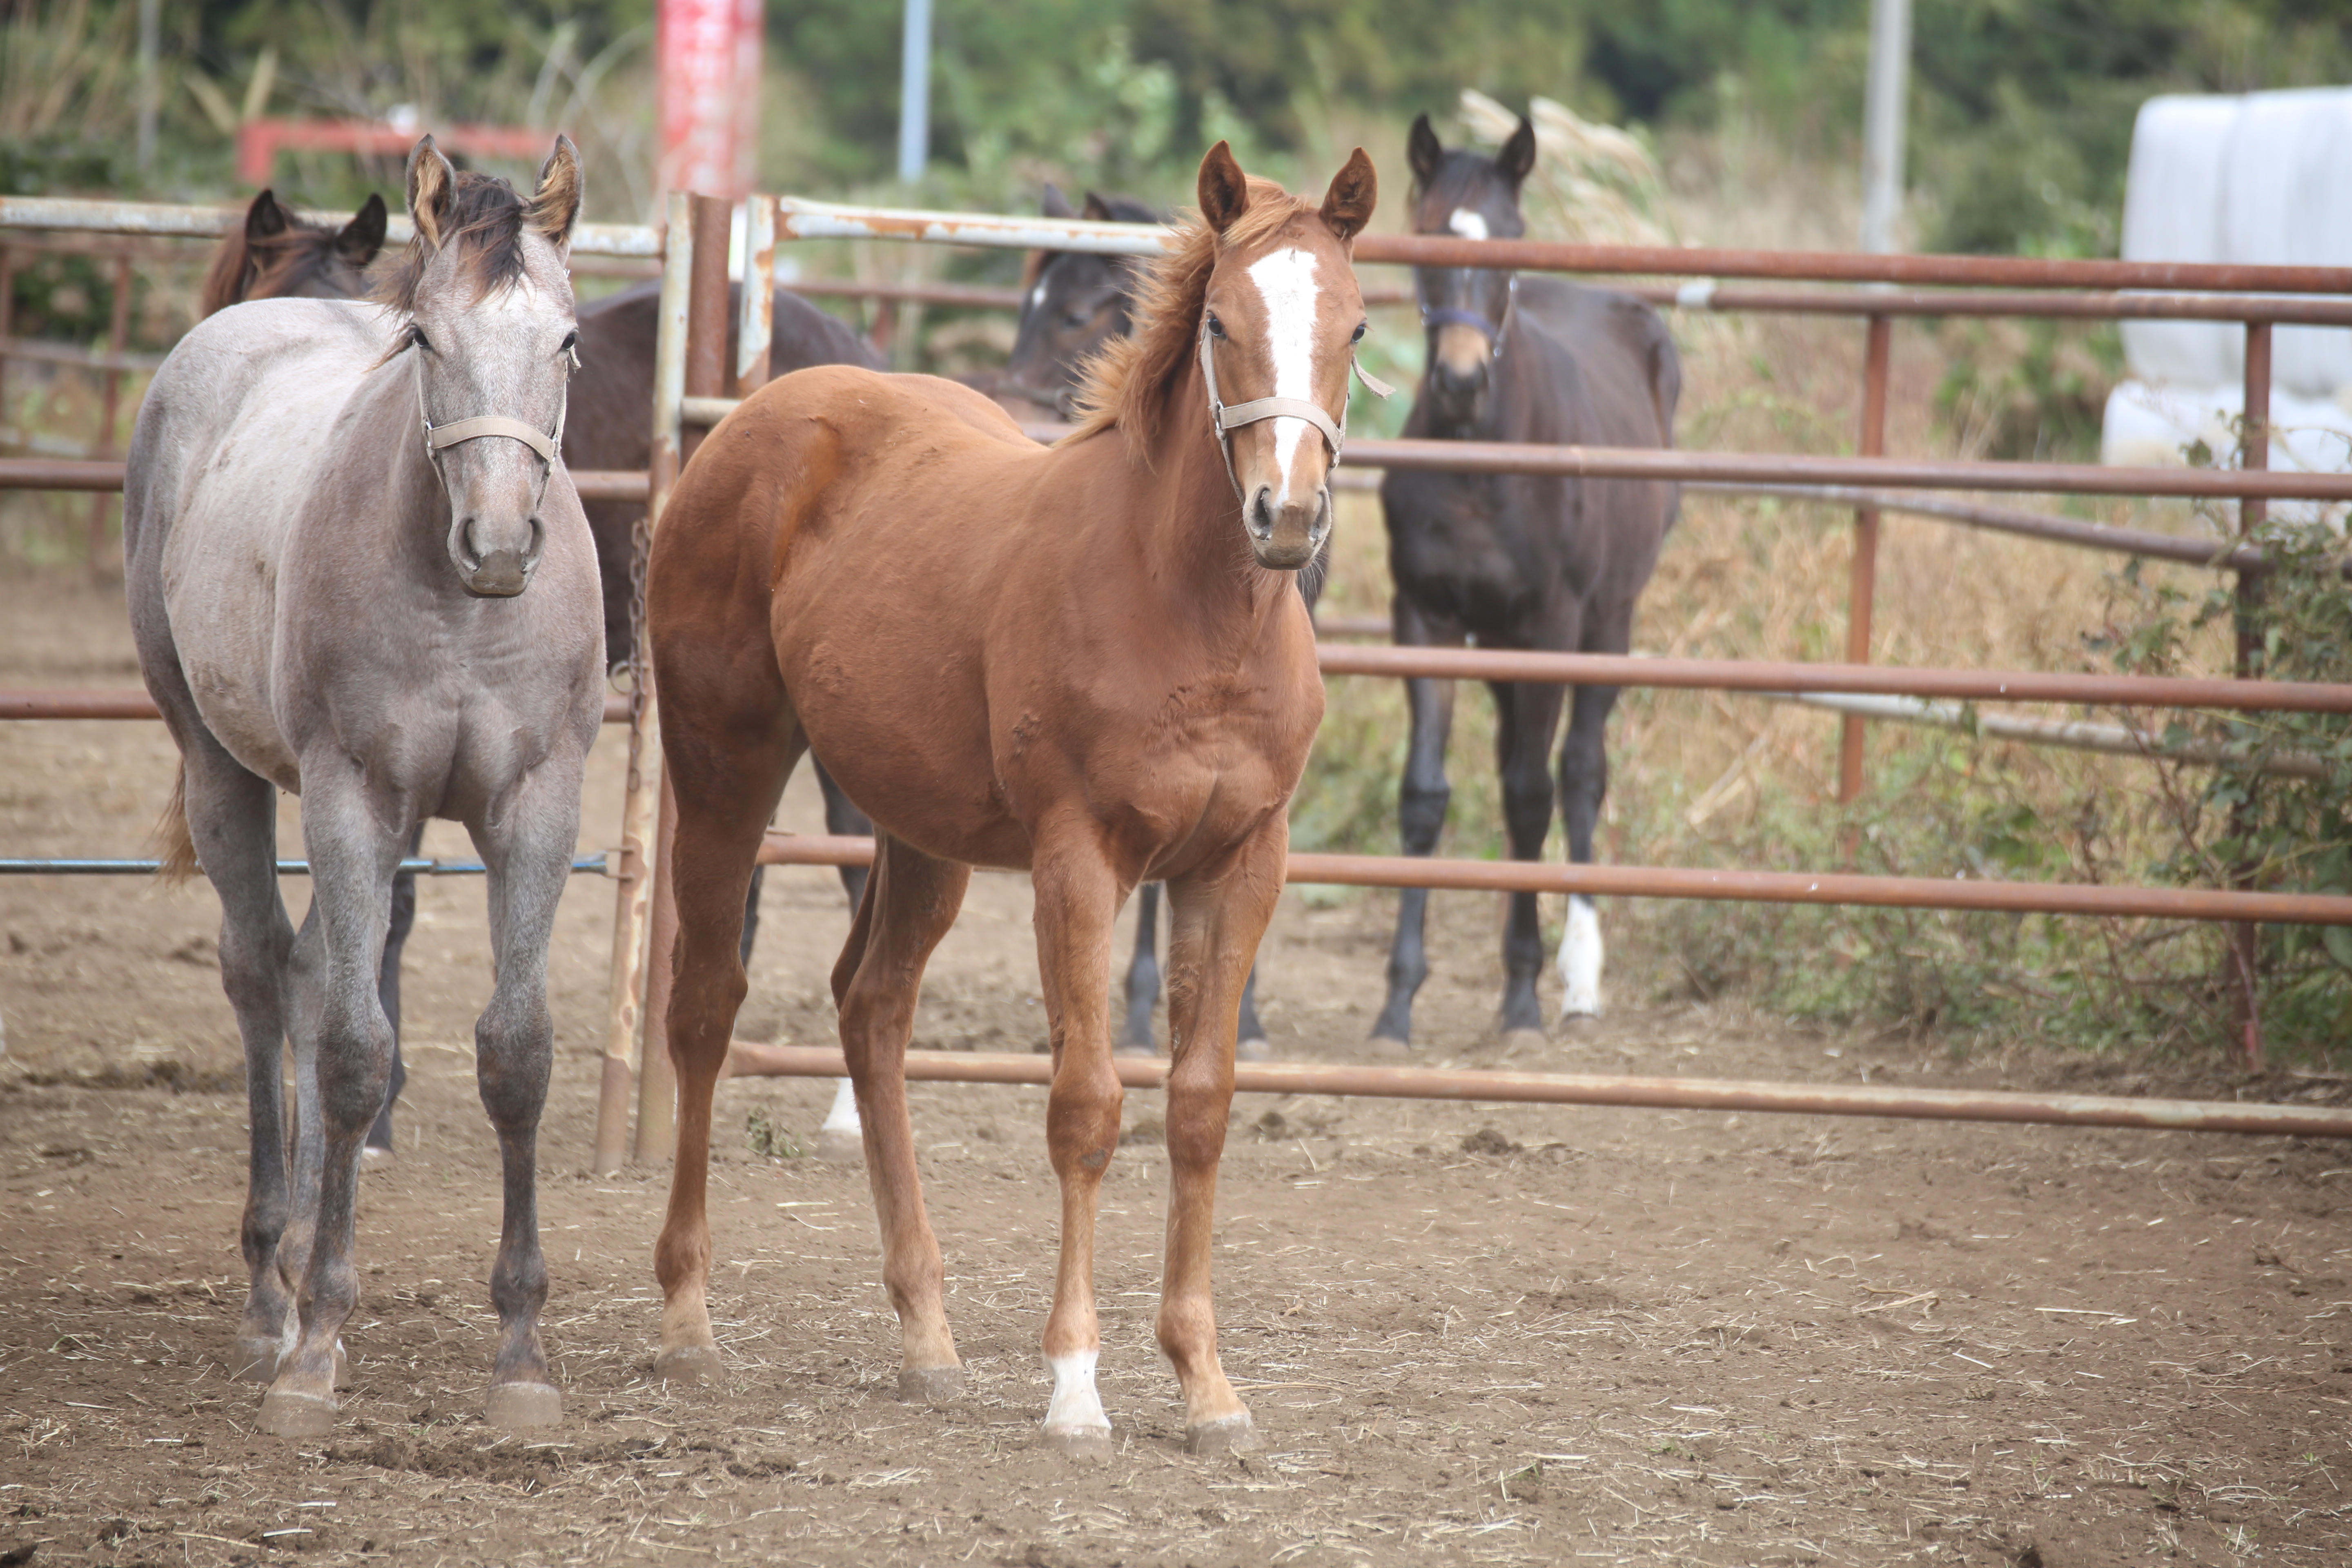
(1216, 327)
(1358, 335)
(416, 336)
(1077, 317)
(571, 342)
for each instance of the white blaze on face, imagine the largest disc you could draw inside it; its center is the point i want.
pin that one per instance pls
(1285, 281)
(1075, 1406)
(1580, 960)
(1467, 224)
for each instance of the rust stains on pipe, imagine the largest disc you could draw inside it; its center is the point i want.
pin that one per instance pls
(74, 474)
(2101, 306)
(1882, 681)
(1641, 1093)
(138, 705)
(1906, 473)
(1737, 886)
(1848, 267)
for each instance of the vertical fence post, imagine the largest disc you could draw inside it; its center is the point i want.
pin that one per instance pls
(1863, 580)
(755, 331)
(704, 375)
(8, 323)
(635, 901)
(118, 342)
(2254, 455)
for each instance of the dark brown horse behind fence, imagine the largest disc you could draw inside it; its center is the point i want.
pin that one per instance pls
(1090, 662)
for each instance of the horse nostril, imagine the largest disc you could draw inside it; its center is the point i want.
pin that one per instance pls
(1261, 512)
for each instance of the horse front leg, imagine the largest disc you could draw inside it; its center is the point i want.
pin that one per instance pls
(1529, 716)
(1421, 808)
(1583, 782)
(529, 857)
(1077, 898)
(908, 906)
(1220, 917)
(342, 1067)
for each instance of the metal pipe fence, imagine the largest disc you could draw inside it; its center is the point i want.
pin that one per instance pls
(1895, 287)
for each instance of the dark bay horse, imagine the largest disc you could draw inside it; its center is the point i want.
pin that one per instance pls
(358, 572)
(279, 254)
(1515, 561)
(1090, 662)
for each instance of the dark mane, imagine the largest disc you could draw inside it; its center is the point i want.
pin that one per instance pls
(249, 268)
(484, 225)
(1127, 385)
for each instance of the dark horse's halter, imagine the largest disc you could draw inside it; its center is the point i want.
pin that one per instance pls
(1228, 418)
(1458, 316)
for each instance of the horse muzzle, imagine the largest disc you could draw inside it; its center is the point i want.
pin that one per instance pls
(1284, 535)
(496, 563)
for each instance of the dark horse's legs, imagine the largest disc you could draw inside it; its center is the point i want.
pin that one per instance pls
(387, 988)
(1421, 809)
(1528, 716)
(1583, 781)
(841, 815)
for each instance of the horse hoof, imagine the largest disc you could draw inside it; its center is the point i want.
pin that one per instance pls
(1079, 1442)
(286, 1413)
(1578, 1023)
(835, 1147)
(694, 1364)
(1226, 1434)
(1387, 1048)
(254, 1359)
(515, 1405)
(930, 1384)
(1524, 1039)
(374, 1159)
(1257, 1051)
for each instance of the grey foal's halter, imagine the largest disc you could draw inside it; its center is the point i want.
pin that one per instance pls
(436, 436)
(1226, 418)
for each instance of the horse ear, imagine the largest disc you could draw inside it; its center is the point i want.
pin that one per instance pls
(1355, 190)
(264, 220)
(363, 235)
(1518, 158)
(1223, 189)
(556, 205)
(1055, 205)
(1424, 150)
(432, 184)
(1098, 209)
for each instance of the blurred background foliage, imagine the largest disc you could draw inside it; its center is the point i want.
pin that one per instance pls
(2020, 125)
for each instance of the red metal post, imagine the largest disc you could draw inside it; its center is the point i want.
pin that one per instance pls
(117, 339)
(2254, 453)
(1862, 584)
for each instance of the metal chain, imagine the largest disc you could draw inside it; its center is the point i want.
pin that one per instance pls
(641, 536)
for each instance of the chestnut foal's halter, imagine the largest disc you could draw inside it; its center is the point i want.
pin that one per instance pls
(1229, 417)
(437, 437)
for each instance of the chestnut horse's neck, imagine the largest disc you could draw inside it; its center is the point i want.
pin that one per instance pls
(1184, 500)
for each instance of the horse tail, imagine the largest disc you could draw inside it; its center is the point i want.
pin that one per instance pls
(171, 835)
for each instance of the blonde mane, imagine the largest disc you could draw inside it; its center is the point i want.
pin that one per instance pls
(1126, 386)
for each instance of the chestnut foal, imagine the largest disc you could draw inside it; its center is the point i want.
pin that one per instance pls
(1090, 662)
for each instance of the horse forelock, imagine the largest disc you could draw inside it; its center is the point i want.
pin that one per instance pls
(483, 231)
(1468, 197)
(1128, 384)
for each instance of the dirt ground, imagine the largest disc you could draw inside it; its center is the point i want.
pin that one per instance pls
(1470, 1333)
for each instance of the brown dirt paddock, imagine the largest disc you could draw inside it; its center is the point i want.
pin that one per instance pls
(1470, 1333)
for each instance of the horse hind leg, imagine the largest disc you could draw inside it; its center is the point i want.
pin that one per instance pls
(1584, 784)
(1421, 805)
(726, 788)
(232, 818)
(908, 906)
(377, 1149)
(1142, 976)
(1530, 716)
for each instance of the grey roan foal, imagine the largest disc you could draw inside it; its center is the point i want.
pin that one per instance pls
(358, 572)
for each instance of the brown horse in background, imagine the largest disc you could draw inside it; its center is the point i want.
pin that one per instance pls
(279, 254)
(1090, 662)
